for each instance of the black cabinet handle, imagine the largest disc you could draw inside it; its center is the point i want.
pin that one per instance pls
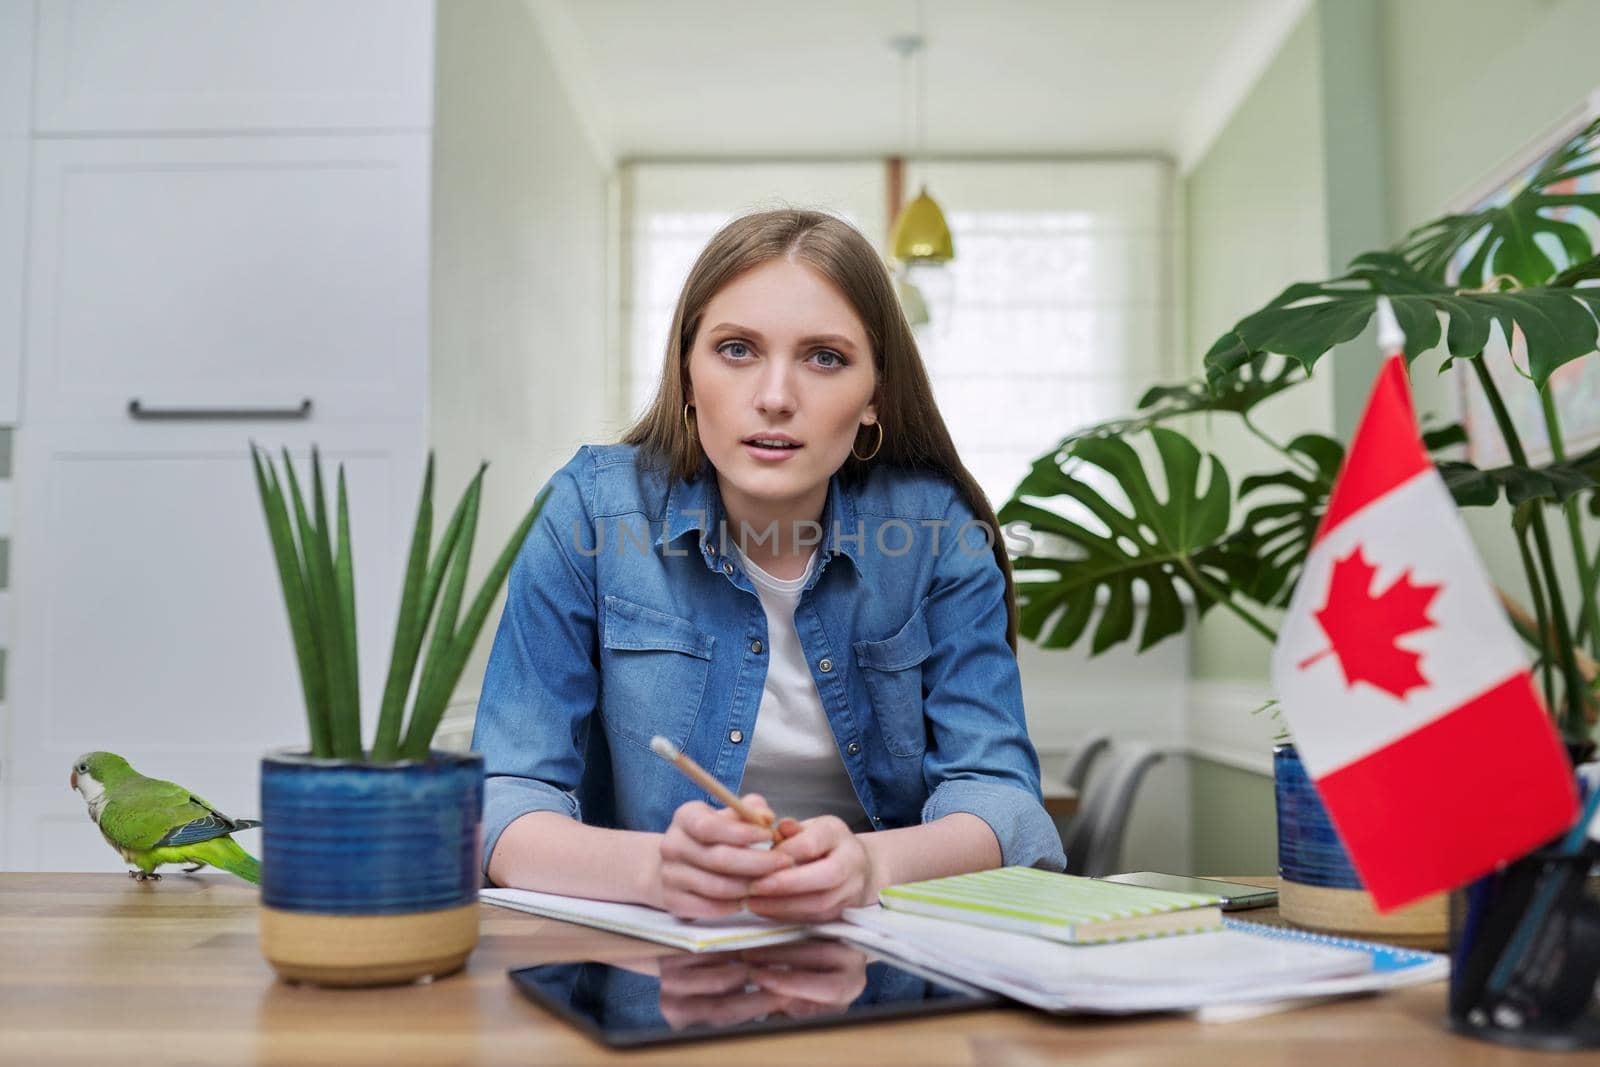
(137, 410)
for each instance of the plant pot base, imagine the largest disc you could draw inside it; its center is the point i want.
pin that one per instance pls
(368, 950)
(1424, 924)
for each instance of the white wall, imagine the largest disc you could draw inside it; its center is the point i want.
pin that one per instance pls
(522, 365)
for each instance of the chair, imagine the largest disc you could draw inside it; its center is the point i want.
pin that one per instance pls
(1094, 838)
(1081, 758)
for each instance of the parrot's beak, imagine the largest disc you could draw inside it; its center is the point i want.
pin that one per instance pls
(74, 779)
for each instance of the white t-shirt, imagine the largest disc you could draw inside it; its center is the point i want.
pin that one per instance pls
(794, 760)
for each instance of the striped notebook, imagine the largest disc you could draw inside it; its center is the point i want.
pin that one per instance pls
(1062, 907)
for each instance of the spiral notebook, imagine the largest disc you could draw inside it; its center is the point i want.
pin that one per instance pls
(1391, 968)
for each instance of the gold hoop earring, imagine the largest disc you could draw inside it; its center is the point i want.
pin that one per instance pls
(686, 427)
(875, 448)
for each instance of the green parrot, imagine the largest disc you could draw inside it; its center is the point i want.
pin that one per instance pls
(151, 822)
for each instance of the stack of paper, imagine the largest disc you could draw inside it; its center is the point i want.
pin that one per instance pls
(1243, 963)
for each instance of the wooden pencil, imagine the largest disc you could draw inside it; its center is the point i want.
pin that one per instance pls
(670, 752)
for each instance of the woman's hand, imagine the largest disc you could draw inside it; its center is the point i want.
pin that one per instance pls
(706, 862)
(833, 871)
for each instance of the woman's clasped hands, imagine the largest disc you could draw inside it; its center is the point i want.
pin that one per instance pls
(709, 867)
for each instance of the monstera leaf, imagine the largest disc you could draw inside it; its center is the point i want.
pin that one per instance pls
(1154, 542)
(1274, 537)
(1508, 235)
(1473, 487)
(1253, 381)
(1308, 319)
(1266, 553)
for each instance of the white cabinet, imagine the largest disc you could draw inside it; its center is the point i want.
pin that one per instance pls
(201, 65)
(199, 273)
(150, 618)
(16, 68)
(224, 212)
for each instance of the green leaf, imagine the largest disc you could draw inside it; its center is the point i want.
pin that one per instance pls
(1253, 381)
(408, 628)
(1265, 555)
(345, 581)
(1150, 542)
(1578, 273)
(1521, 236)
(1469, 486)
(426, 721)
(444, 623)
(291, 576)
(429, 598)
(320, 614)
(325, 611)
(1442, 437)
(1308, 319)
(1554, 482)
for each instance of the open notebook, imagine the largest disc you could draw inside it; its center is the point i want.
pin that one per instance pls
(743, 930)
(1243, 964)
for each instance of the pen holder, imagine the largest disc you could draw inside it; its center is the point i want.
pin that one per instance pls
(1526, 953)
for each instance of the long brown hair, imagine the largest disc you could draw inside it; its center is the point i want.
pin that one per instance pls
(914, 433)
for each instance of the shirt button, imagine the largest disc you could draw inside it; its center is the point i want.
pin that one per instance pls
(852, 748)
(755, 646)
(727, 568)
(825, 666)
(736, 736)
(877, 818)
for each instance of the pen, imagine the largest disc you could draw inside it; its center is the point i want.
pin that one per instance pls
(670, 752)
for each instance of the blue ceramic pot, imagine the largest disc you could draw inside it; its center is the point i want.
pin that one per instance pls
(1309, 849)
(1320, 887)
(370, 872)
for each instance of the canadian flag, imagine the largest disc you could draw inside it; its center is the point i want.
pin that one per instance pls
(1410, 700)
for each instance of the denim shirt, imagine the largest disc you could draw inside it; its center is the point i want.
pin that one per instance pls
(626, 617)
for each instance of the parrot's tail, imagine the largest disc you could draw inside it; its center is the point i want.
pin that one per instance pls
(224, 853)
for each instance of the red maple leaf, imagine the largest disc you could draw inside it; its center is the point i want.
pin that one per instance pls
(1363, 628)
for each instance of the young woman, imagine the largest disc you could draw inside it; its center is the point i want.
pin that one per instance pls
(785, 569)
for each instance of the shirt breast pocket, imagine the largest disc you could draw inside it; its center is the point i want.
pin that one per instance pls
(892, 669)
(654, 668)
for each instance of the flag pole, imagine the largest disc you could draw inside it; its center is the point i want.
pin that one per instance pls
(1391, 338)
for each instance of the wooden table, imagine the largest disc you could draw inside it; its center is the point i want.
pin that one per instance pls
(97, 969)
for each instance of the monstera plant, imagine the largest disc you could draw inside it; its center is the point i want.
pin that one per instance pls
(1526, 268)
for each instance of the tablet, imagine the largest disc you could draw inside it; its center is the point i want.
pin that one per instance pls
(696, 996)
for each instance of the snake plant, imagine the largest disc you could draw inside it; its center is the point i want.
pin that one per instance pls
(317, 574)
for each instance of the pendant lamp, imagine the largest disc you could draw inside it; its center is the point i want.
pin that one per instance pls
(920, 234)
